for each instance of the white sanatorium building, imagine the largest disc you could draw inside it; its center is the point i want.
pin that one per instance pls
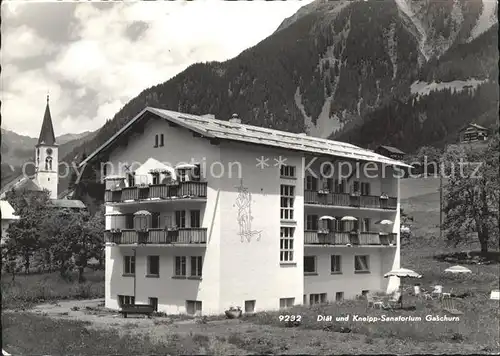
(194, 224)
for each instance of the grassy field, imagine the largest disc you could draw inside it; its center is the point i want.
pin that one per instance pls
(27, 290)
(87, 332)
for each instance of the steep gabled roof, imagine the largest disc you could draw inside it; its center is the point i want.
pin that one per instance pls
(476, 126)
(7, 211)
(68, 203)
(47, 136)
(393, 149)
(225, 130)
(21, 182)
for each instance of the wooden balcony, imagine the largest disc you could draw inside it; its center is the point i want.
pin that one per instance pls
(183, 190)
(347, 200)
(344, 238)
(158, 236)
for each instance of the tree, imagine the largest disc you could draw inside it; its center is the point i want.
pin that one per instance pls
(428, 158)
(471, 194)
(76, 236)
(26, 235)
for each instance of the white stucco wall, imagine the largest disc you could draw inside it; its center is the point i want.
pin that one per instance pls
(180, 146)
(48, 179)
(251, 270)
(235, 271)
(349, 282)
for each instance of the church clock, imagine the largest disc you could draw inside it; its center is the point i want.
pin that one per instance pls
(49, 151)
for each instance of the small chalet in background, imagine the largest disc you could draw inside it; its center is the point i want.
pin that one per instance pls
(473, 133)
(391, 152)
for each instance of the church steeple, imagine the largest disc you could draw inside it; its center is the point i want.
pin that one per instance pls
(47, 136)
(46, 154)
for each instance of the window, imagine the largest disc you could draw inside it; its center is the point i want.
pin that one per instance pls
(131, 179)
(129, 221)
(161, 140)
(339, 224)
(355, 225)
(155, 220)
(154, 303)
(287, 171)
(249, 306)
(156, 141)
(286, 244)
(156, 178)
(339, 296)
(129, 265)
(196, 266)
(287, 199)
(336, 264)
(309, 264)
(317, 298)
(48, 163)
(196, 173)
(195, 218)
(180, 218)
(153, 265)
(366, 224)
(286, 303)
(311, 183)
(355, 187)
(326, 184)
(365, 188)
(193, 307)
(340, 185)
(125, 299)
(312, 222)
(361, 264)
(180, 266)
(182, 174)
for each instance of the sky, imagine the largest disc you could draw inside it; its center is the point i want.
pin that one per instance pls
(93, 57)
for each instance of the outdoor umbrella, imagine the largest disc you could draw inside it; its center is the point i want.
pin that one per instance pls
(348, 218)
(142, 212)
(384, 222)
(402, 273)
(458, 269)
(326, 217)
(185, 166)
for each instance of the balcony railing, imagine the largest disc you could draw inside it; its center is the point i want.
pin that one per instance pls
(157, 191)
(345, 199)
(344, 238)
(158, 236)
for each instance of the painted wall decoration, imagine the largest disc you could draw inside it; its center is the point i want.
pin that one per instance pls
(244, 205)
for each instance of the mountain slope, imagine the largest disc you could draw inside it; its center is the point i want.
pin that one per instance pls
(338, 69)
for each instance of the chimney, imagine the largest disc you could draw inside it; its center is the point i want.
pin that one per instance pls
(235, 119)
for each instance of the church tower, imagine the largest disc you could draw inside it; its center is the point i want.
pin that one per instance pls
(46, 156)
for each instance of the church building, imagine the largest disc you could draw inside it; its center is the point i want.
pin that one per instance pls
(46, 168)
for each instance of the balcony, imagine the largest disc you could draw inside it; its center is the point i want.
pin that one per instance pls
(344, 238)
(183, 190)
(182, 236)
(348, 200)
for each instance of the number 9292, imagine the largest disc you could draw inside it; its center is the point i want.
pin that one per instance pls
(290, 318)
